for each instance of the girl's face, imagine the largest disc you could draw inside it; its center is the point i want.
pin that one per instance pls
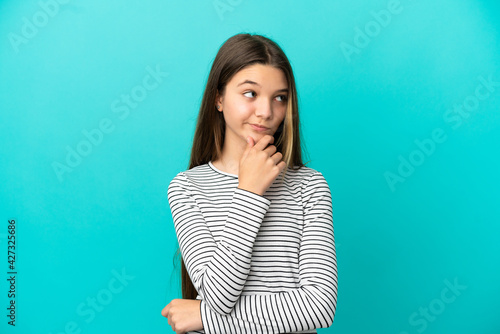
(254, 103)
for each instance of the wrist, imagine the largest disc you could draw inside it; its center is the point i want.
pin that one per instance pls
(250, 189)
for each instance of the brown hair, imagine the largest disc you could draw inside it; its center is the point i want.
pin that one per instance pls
(238, 52)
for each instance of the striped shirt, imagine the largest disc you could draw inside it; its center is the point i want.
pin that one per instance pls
(260, 264)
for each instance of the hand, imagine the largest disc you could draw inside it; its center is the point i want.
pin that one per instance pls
(183, 315)
(259, 165)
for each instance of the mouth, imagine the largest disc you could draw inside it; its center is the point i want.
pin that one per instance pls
(258, 127)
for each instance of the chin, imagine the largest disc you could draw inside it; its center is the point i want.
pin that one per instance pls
(258, 135)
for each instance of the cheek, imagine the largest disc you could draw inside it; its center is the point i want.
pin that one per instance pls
(240, 109)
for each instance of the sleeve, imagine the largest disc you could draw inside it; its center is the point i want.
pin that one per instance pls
(312, 305)
(219, 269)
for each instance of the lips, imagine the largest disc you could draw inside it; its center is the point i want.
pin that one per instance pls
(258, 127)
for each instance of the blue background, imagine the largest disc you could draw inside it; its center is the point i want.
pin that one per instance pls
(399, 245)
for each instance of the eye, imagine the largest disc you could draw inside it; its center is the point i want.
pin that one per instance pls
(249, 92)
(282, 97)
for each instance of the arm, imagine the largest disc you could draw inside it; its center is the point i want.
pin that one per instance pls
(218, 270)
(310, 306)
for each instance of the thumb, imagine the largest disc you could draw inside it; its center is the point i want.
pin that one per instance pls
(250, 144)
(250, 141)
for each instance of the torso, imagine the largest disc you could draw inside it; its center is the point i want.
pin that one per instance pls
(276, 248)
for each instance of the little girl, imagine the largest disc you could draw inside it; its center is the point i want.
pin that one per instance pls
(254, 224)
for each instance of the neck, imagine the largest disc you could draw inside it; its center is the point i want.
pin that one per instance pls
(232, 151)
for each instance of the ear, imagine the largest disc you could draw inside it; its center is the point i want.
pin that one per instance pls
(218, 101)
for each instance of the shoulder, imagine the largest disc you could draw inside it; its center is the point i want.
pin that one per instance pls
(310, 183)
(313, 187)
(194, 177)
(183, 176)
(305, 177)
(197, 171)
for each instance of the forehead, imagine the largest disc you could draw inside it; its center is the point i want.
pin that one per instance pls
(266, 76)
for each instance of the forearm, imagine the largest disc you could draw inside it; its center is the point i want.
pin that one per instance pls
(237, 321)
(284, 312)
(218, 270)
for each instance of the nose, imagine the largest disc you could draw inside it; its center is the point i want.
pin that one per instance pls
(264, 109)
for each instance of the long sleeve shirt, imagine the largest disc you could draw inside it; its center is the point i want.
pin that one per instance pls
(260, 263)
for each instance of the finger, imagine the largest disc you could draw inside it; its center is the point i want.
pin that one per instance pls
(281, 166)
(271, 149)
(165, 310)
(250, 144)
(277, 157)
(263, 142)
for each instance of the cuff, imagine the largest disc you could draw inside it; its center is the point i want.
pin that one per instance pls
(203, 313)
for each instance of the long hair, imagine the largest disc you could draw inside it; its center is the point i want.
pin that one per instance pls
(238, 52)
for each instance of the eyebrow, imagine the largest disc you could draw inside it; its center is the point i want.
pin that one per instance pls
(254, 83)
